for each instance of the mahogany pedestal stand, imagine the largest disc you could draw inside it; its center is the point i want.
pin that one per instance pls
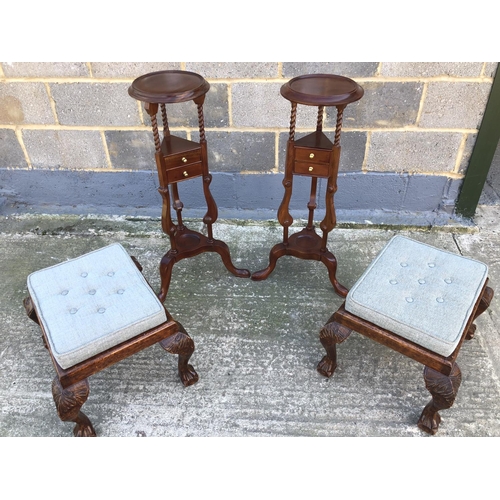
(178, 159)
(313, 156)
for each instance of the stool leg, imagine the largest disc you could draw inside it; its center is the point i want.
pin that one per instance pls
(182, 344)
(443, 389)
(30, 311)
(69, 402)
(483, 305)
(331, 334)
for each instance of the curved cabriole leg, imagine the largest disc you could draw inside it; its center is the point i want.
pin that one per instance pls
(331, 334)
(223, 250)
(182, 344)
(443, 389)
(331, 264)
(166, 266)
(483, 305)
(69, 402)
(276, 252)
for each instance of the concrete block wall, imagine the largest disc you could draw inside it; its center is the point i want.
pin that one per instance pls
(72, 140)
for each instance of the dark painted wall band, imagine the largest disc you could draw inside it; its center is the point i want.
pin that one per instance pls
(133, 193)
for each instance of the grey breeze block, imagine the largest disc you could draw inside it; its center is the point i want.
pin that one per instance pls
(419, 292)
(91, 303)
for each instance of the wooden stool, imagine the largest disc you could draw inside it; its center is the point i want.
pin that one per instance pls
(421, 302)
(177, 160)
(94, 311)
(315, 156)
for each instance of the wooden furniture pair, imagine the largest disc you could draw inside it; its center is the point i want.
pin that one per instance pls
(313, 155)
(98, 309)
(177, 160)
(420, 302)
(94, 311)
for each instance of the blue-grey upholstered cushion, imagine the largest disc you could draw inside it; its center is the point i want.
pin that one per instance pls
(92, 303)
(419, 292)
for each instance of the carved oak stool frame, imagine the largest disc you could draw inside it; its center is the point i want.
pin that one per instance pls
(313, 156)
(178, 159)
(442, 374)
(70, 387)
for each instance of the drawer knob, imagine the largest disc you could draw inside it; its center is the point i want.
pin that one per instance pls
(311, 168)
(311, 155)
(185, 174)
(184, 159)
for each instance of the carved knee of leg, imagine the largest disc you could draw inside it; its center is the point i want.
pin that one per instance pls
(69, 400)
(334, 333)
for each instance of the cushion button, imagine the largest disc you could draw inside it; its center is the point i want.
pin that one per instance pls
(84, 275)
(404, 264)
(393, 282)
(421, 281)
(440, 300)
(448, 280)
(121, 292)
(409, 299)
(111, 273)
(73, 311)
(431, 264)
(65, 292)
(92, 292)
(101, 310)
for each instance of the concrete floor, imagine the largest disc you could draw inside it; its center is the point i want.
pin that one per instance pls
(257, 343)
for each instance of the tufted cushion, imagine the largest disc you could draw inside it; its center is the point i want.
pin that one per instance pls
(421, 293)
(89, 304)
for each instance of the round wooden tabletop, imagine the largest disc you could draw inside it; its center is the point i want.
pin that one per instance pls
(322, 90)
(168, 86)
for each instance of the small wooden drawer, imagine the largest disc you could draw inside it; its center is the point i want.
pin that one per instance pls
(184, 172)
(183, 159)
(312, 155)
(312, 169)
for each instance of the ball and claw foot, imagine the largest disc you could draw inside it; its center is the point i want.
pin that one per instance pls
(330, 335)
(182, 344)
(470, 332)
(429, 420)
(326, 366)
(84, 429)
(443, 389)
(188, 375)
(68, 403)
